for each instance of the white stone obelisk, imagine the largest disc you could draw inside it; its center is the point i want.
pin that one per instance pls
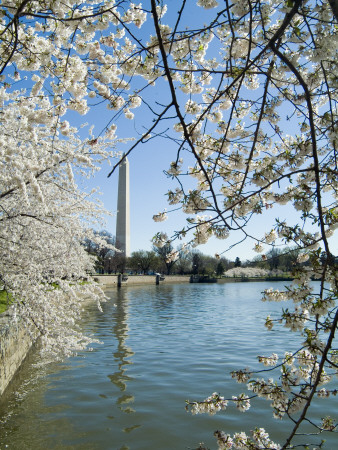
(123, 209)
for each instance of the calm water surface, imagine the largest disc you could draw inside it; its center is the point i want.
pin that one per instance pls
(162, 345)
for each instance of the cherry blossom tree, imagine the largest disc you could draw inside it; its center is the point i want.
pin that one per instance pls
(249, 99)
(44, 221)
(45, 217)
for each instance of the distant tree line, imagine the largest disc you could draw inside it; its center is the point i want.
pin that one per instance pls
(188, 262)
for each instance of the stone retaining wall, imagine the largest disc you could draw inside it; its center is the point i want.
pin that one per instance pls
(111, 280)
(15, 343)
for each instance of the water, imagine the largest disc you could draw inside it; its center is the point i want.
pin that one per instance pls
(162, 345)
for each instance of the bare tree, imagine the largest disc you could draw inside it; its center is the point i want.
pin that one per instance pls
(143, 261)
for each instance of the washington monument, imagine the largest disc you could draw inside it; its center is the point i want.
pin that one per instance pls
(123, 210)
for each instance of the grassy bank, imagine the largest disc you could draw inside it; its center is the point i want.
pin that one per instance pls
(3, 301)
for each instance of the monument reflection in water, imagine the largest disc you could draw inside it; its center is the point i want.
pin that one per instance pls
(123, 353)
(162, 345)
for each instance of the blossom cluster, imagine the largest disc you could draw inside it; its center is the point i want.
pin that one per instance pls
(242, 402)
(211, 405)
(160, 217)
(259, 439)
(268, 360)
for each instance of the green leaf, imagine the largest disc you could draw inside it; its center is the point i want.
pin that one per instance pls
(297, 31)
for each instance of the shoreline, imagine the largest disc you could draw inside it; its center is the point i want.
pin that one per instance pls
(137, 280)
(106, 281)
